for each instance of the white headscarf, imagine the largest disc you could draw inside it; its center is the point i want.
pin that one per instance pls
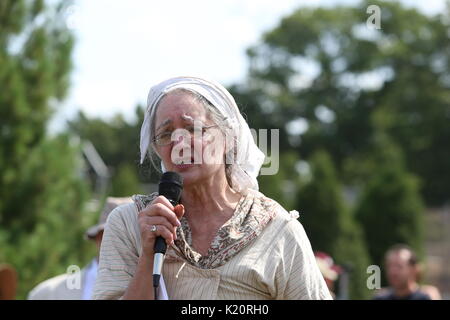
(249, 158)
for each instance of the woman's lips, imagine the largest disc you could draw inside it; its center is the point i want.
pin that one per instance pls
(185, 164)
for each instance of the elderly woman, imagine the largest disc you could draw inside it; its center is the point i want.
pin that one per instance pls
(225, 240)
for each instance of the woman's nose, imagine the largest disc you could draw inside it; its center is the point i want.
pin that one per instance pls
(182, 137)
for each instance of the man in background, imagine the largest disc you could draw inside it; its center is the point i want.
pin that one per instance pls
(59, 287)
(402, 271)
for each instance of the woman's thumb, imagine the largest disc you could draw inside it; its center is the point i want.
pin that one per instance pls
(179, 210)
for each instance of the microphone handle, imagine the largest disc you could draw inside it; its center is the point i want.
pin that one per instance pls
(159, 253)
(160, 243)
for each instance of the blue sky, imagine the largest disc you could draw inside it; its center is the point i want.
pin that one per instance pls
(124, 47)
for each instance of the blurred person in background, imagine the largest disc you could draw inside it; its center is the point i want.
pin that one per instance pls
(329, 270)
(57, 288)
(402, 272)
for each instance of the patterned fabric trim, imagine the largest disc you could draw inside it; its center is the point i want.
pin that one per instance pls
(252, 214)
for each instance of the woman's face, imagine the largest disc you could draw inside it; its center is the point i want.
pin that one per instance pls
(195, 152)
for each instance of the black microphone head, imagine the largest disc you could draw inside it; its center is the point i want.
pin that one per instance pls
(170, 186)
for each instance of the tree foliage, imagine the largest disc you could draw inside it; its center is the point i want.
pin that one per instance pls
(390, 208)
(42, 195)
(35, 62)
(117, 142)
(329, 224)
(324, 66)
(367, 97)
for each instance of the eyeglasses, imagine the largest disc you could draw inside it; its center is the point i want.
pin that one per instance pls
(165, 138)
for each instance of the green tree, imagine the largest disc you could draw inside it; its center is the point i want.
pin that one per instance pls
(324, 66)
(35, 63)
(329, 224)
(390, 208)
(42, 194)
(49, 238)
(117, 142)
(283, 185)
(125, 182)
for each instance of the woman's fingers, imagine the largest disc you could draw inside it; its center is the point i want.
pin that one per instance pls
(163, 231)
(159, 220)
(163, 200)
(162, 214)
(159, 209)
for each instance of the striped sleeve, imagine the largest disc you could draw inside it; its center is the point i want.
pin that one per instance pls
(298, 277)
(118, 256)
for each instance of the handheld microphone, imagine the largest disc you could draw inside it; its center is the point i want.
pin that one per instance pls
(170, 186)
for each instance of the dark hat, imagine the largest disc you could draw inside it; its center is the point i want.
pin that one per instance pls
(110, 205)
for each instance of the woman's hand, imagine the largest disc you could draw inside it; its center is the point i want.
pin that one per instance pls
(162, 214)
(165, 217)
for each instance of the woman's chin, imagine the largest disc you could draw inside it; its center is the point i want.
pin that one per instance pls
(189, 172)
(193, 173)
(181, 168)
